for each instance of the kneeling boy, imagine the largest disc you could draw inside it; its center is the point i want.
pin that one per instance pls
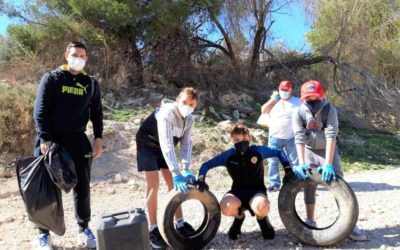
(248, 192)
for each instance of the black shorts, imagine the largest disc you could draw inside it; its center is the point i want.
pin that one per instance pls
(150, 159)
(245, 195)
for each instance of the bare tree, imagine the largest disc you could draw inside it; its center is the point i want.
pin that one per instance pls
(244, 27)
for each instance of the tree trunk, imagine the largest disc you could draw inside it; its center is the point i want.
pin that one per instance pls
(258, 38)
(137, 59)
(260, 12)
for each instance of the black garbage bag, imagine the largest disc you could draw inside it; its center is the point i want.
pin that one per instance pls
(61, 168)
(43, 200)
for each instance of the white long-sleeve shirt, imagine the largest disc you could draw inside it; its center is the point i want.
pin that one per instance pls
(170, 124)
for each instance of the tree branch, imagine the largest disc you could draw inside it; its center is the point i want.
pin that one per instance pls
(297, 63)
(225, 35)
(208, 43)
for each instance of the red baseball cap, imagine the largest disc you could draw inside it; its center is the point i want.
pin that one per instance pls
(311, 88)
(285, 85)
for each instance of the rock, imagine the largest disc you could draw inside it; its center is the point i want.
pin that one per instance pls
(226, 117)
(204, 111)
(212, 111)
(5, 195)
(130, 101)
(232, 99)
(245, 109)
(109, 96)
(299, 246)
(118, 178)
(199, 118)
(157, 96)
(5, 173)
(135, 187)
(137, 121)
(236, 114)
(111, 191)
(228, 99)
(226, 139)
(260, 136)
(225, 125)
(135, 101)
(6, 219)
(116, 105)
(243, 116)
(245, 98)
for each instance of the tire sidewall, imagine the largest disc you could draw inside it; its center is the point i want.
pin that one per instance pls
(330, 235)
(209, 227)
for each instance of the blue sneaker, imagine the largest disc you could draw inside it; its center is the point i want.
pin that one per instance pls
(311, 223)
(273, 188)
(45, 242)
(86, 239)
(357, 234)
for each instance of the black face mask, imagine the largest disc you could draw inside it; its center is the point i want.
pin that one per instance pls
(314, 105)
(242, 146)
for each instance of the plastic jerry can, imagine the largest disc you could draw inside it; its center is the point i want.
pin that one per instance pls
(123, 231)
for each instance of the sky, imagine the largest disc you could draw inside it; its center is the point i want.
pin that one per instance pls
(290, 28)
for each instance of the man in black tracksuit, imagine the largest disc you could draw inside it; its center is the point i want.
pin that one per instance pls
(66, 99)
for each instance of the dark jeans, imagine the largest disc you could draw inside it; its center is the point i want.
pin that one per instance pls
(80, 149)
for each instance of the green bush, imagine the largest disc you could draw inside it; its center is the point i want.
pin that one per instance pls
(16, 120)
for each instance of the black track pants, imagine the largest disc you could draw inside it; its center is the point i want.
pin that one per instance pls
(79, 147)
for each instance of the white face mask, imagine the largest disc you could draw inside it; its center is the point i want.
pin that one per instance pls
(284, 94)
(185, 110)
(76, 63)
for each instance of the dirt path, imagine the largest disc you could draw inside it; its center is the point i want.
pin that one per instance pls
(378, 195)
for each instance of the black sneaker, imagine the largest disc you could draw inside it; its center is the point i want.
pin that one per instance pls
(234, 231)
(156, 240)
(267, 230)
(186, 230)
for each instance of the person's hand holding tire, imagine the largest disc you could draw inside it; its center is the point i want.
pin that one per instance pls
(201, 184)
(190, 178)
(327, 172)
(289, 178)
(300, 171)
(180, 183)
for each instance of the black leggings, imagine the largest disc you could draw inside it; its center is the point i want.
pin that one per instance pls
(78, 146)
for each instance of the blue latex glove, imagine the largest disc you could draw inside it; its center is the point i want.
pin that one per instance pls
(189, 176)
(300, 171)
(180, 183)
(275, 95)
(327, 172)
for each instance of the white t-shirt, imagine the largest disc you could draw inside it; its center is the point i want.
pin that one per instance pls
(280, 121)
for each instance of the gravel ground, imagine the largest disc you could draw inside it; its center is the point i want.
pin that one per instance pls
(378, 194)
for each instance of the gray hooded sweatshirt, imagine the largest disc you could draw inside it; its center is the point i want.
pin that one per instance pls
(314, 138)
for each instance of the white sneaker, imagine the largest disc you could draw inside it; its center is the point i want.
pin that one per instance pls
(310, 223)
(86, 239)
(45, 242)
(357, 234)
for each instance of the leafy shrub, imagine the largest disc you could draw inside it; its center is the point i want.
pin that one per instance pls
(16, 120)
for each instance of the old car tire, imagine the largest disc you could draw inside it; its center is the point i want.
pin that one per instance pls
(327, 236)
(207, 230)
